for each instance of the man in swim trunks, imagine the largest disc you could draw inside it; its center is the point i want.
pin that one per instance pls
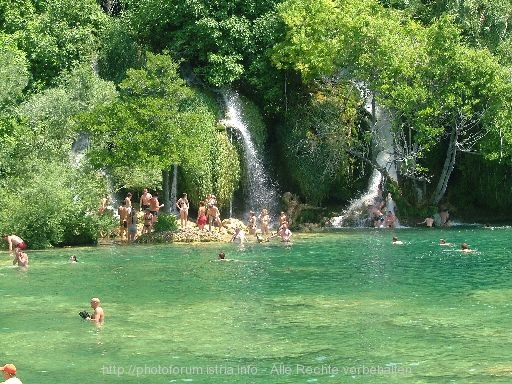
(144, 199)
(213, 217)
(123, 213)
(15, 242)
(154, 206)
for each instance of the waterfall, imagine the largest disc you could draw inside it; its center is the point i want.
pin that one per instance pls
(358, 213)
(174, 189)
(78, 149)
(260, 189)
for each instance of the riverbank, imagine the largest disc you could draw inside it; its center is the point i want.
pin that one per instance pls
(189, 234)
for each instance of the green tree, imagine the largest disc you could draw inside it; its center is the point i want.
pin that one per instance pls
(216, 38)
(55, 35)
(56, 197)
(159, 121)
(439, 90)
(14, 73)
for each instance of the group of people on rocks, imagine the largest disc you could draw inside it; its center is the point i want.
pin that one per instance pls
(149, 207)
(208, 217)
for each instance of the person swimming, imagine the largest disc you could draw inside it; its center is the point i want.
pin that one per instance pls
(464, 247)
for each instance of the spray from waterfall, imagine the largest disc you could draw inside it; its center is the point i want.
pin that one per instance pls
(260, 190)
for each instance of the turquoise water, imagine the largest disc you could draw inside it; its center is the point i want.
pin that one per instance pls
(330, 308)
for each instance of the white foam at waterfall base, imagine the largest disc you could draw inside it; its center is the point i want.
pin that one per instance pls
(357, 214)
(260, 188)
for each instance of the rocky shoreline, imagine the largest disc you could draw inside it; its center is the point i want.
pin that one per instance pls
(192, 234)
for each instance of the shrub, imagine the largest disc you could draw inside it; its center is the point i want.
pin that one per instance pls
(166, 222)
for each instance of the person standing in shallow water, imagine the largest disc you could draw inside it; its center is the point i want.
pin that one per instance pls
(265, 222)
(251, 225)
(98, 316)
(285, 233)
(123, 213)
(21, 258)
(429, 221)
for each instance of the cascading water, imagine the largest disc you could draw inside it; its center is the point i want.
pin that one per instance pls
(174, 188)
(358, 213)
(78, 149)
(261, 192)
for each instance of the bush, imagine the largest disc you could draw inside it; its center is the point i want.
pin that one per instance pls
(55, 205)
(166, 222)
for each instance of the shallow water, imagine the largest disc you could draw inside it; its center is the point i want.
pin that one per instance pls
(330, 308)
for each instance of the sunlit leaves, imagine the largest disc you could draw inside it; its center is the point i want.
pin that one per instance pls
(313, 39)
(14, 73)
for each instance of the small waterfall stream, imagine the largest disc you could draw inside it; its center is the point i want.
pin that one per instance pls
(260, 189)
(174, 189)
(358, 213)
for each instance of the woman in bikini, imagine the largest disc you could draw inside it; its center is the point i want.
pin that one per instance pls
(148, 221)
(183, 205)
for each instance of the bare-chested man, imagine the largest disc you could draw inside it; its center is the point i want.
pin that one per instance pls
(213, 217)
(154, 206)
(429, 221)
(144, 199)
(283, 219)
(123, 213)
(15, 242)
(98, 316)
(128, 200)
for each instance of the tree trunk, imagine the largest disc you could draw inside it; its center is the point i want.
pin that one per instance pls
(165, 188)
(449, 165)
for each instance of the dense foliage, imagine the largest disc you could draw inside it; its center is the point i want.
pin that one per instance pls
(132, 88)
